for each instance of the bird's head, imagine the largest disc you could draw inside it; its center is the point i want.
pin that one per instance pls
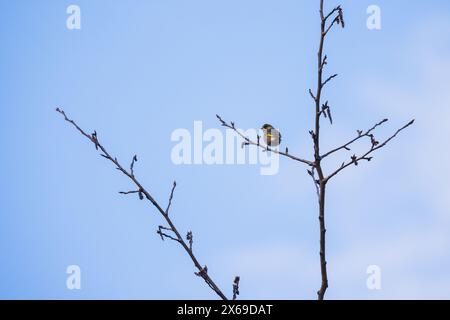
(267, 127)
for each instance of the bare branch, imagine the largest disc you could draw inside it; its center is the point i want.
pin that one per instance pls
(129, 192)
(132, 164)
(339, 19)
(326, 112)
(236, 287)
(142, 191)
(248, 142)
(355, 159)
(312, 95)
(139, 192)
(332, 12)
(165, 235)
(361, 134)
(171, 197)
(329, 79)
(190, 238)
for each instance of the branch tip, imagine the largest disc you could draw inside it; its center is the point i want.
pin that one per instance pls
(236, 281)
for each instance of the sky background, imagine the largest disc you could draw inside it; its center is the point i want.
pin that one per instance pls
(137, 70)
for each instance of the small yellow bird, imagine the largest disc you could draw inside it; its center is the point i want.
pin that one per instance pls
(272, 136)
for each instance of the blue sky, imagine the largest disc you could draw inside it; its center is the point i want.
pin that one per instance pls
(138, 70)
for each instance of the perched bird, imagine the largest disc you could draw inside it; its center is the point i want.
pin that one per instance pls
(272, 136)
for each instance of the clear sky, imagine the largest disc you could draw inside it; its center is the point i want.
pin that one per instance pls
(138, 70)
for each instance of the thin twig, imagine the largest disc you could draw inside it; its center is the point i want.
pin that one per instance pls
(236, 287)
(248, 141)
(329, 79)
(132, 164)
(332, 12)
(129, 192)
(365, 156)
(360, 136)
(171, 197)
(165, 235)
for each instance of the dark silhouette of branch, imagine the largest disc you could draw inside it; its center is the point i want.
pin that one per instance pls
(338, 8)
(257, 143)
(329, 79)
(190, 238)
(236, 287)
(129, 192)
(320, 179)
(326, 112)
(171, 197)
(375, 146)
(162, 231)
(321, 62)
(361, 135)
(132, 165)
(165, 235)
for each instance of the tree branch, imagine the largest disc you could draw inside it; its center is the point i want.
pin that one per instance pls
(171, 197)
(236, 287)
(248, 141)
(132, 165)
(361, 134)
(165, 235)
(202, 270)
(332, 12)
(365, 156)
(321, 62)
(139, 192)
(339, 19)
(329, 79)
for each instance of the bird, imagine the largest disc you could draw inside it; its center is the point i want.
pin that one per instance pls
(272, 136)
